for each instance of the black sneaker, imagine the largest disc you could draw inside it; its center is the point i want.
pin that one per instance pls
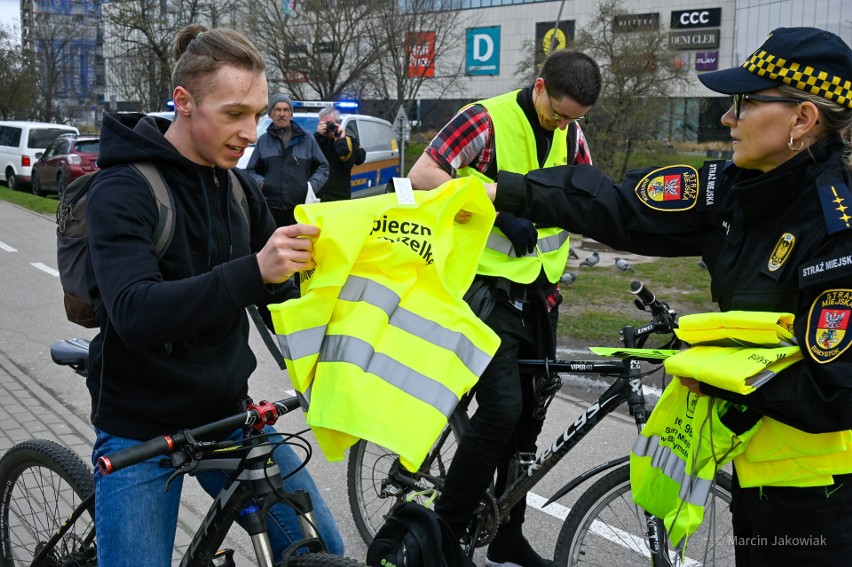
(513, 550)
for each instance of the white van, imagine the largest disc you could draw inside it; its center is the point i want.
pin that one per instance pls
(375, 135)
(21, 144)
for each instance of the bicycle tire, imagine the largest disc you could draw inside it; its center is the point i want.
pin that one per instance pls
(42, 482)
(605, 527)
(321, 560)
(369, 466)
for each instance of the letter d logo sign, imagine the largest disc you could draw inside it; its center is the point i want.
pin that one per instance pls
(483, 47)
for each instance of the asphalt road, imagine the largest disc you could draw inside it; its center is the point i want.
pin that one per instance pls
(32, 318)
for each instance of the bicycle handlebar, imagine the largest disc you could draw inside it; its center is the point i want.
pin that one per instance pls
(256, 416)
(663, 315)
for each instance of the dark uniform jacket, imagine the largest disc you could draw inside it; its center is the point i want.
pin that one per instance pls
(173, 350)
(286, 171)
(342, 154)
(779, 241)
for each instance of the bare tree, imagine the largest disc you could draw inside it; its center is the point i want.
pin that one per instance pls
(52, 42)
(18, 100)
(398, 30)
(640, 73)
(140, 34)
(321, 51)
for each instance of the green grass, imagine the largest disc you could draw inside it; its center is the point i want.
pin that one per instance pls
(46, 205)
(598, 303)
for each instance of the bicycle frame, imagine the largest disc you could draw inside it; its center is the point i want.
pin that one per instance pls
(627, 388)
(253, 487)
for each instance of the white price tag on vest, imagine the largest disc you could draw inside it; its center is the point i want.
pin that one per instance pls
(404, 191)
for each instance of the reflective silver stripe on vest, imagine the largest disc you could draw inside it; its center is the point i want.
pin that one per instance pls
(368, 291)
(693, 490)
(343, 348)
(552, 242)
(503, 245)
(302, 343)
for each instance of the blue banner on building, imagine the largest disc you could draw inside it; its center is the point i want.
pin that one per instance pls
(483, 51)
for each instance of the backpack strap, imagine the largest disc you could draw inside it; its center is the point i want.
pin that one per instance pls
(239, 196)
(165, 229)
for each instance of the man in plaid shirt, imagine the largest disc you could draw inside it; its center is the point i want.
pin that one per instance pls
(515, 291)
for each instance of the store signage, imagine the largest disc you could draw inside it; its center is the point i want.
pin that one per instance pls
(483, 51)
(420, 49)
(626, 23)
(697, 18)
(706, 60)
(546, 37)
(704, 39)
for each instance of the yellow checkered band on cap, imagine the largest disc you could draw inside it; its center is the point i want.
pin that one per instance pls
(802, 77)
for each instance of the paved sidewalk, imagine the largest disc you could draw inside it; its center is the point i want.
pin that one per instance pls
(28, 411)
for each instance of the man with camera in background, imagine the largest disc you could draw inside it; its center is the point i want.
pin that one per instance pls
(342, 152)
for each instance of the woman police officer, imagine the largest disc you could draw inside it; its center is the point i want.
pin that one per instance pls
(774, 227)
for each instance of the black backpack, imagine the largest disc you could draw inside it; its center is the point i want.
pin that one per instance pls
(415, 536)
(72, 249)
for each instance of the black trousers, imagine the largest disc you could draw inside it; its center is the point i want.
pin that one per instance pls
(502, 424)
(785, 526)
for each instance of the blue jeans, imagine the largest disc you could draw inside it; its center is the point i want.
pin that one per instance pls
(136, 519)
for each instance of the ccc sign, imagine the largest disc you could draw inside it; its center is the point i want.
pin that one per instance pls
(698, 18)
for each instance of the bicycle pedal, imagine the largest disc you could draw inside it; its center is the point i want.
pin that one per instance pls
(224, 558)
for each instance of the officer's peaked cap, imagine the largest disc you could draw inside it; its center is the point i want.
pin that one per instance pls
(809, 59)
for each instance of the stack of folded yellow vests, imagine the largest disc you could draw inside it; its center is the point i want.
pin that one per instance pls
(674, 460)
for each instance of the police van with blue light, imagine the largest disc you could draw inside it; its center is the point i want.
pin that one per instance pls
(375, 135)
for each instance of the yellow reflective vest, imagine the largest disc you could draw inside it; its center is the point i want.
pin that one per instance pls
(514, 143)
(381, 342)
(674, 460)
(778, 454)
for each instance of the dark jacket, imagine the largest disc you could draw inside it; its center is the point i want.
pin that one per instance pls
(286, 171)
(173, 346)
(778, 241)
(342, 155)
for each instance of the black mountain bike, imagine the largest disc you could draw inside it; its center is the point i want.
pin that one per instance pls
(604, 527)
(47, 493)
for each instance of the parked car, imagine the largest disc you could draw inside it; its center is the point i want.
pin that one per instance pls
(21, 144)
(68, 157)
(375, 135)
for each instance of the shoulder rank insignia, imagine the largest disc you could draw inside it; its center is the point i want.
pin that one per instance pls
(836, 201)
(781, 251)
(828, 322)
(673, 188)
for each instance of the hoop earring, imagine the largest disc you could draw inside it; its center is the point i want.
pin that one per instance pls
(793, 147)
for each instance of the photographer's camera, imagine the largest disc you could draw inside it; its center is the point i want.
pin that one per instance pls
(330, 127)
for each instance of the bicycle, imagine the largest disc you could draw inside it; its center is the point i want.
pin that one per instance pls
(604, 527)
(47, 499)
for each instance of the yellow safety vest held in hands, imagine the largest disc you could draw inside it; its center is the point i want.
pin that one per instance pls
(674, 460)
(381, 342)
(514, 143)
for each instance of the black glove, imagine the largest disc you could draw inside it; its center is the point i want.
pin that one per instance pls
(520, 231)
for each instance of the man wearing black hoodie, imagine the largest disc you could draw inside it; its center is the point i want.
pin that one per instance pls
(173, 352)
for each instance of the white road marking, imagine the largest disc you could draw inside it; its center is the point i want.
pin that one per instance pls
(6, 247)
(44, 268)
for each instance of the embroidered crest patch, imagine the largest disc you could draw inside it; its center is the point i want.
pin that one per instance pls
(827, 325)
(673, 188)
(781, 252)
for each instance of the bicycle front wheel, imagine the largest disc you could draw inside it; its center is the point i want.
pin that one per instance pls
(373, 490)
(42, 483)
(605, 527)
